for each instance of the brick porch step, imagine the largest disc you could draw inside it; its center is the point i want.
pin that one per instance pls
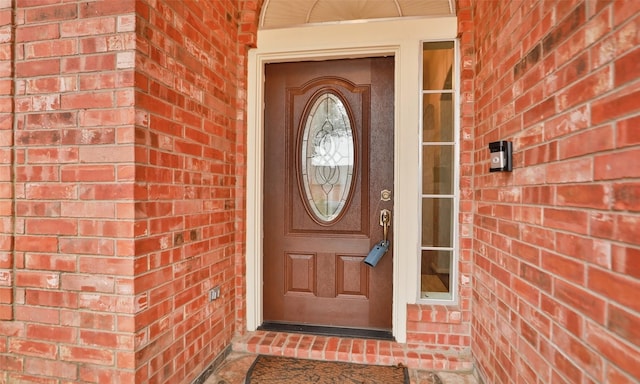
(352, 350)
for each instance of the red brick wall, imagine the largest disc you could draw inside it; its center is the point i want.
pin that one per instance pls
(247, 38)
(556, 247)
(6, 186)
(189, 213)
(126, 208)
(72, 142)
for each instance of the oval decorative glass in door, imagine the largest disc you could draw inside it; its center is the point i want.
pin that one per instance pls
(327, 157)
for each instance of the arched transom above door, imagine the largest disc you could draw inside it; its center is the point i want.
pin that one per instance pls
(287, 13)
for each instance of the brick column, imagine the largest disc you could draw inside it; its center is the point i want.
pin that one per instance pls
(74, 192)
(6, 159)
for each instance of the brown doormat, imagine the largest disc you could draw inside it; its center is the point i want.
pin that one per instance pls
(286, 370)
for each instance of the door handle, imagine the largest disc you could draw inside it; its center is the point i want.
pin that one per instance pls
(385, 222)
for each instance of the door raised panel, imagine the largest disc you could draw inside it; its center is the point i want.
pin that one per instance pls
(300, 272)
(352, 276)
(352, 219)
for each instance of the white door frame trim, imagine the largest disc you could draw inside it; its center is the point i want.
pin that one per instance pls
(399, 38)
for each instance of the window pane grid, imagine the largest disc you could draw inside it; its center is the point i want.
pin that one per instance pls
(438, 164)
(435, 91)
(436, 143)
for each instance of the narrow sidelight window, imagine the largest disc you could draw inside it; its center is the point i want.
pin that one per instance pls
(438, 153)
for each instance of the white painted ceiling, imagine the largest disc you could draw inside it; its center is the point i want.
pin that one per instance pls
(290, 13)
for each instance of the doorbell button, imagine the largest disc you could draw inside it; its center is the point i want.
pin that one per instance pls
(501, 156)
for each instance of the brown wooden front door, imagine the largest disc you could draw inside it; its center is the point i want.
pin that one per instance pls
(328, 156)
